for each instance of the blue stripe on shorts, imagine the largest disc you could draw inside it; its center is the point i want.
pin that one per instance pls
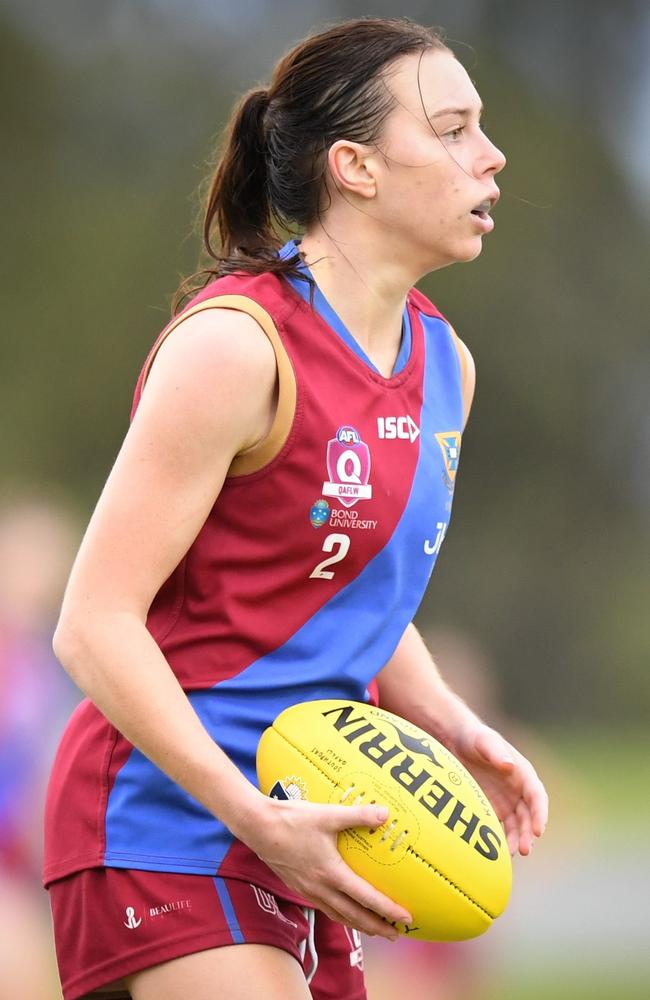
(229, 911)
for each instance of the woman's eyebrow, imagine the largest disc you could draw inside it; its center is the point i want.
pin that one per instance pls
(461, 112)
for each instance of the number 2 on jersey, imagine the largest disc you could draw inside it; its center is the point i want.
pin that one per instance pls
(320, 572)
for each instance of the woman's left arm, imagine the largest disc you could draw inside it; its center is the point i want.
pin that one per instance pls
(411, 686)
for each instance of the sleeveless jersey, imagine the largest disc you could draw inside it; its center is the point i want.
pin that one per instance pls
(310, 565)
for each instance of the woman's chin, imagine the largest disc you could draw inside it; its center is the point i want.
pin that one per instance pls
(461, 254)
(470, 251)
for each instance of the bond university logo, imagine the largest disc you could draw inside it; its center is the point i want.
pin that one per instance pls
(348, 468)
(449, 442)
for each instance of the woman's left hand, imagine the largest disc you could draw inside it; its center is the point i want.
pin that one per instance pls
(508, 779)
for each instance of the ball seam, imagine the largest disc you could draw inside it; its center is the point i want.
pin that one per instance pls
(409, 850)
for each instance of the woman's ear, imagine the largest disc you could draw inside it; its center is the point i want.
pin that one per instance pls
(352, 168)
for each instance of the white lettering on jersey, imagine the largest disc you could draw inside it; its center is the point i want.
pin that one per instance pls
(402, 428)
(434, 549)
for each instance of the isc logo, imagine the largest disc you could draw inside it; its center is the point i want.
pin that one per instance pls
(404, 428)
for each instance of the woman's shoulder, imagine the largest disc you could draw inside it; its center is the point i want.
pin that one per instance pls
(225, 324)
(210, 362)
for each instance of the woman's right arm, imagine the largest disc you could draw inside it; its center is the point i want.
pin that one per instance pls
(209, 395)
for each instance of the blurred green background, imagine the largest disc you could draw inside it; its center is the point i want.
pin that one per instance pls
(109, 116)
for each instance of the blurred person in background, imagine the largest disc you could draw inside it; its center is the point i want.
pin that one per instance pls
(201, 602)
(37, 542)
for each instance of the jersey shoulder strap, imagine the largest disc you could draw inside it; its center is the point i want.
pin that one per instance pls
(427, 308)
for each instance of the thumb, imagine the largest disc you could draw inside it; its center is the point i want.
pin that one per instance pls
(493, 748)
(344, 817)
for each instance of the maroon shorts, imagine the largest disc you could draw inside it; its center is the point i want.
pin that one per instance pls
(112, 922)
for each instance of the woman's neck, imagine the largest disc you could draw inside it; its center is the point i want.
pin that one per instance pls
(367, 294)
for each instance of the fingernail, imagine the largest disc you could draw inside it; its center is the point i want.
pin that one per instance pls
(382, 813)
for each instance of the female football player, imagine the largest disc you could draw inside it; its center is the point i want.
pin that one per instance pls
(266, 535)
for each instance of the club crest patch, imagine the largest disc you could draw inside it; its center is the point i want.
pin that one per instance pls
(292, 787)
(449, 442)
(348, 468)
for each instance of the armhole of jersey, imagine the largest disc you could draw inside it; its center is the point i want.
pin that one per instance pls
(262, 452)
(462, 360)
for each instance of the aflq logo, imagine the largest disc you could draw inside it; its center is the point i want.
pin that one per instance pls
(348, 467)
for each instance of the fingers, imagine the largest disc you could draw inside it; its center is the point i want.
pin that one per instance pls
(525, 830)
(350, 900)
(332, 885)
(347, 911)
(368, 898)
(511, 826)
(339, 818)
(494, 749)
(532, 808)
(535, 796)
(347, 898)
(341, 918)
(367, 902)
(528, 818)
(538, 800)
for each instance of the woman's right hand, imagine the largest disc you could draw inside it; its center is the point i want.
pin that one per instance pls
(298, 841)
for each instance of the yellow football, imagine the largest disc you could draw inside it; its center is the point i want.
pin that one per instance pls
(441, 853)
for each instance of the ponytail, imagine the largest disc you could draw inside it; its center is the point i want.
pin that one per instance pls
(238, 204)
(238, 196)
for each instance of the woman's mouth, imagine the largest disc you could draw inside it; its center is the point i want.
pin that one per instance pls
(482, 215)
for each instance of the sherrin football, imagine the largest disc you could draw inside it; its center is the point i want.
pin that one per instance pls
(442, 853)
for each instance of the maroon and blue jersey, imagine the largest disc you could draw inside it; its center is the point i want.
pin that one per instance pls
(300, 584)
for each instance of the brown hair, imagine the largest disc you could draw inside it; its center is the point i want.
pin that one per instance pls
(270, 172)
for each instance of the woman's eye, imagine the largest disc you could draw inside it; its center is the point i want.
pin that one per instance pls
(456, 133)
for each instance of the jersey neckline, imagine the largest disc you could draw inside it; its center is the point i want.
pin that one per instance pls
(331, 318)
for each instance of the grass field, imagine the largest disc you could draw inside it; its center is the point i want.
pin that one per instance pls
(546, 986)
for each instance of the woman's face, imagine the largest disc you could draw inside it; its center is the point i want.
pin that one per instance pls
(437, 166)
